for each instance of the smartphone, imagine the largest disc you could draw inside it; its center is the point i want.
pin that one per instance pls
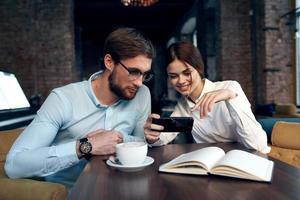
(175, 124)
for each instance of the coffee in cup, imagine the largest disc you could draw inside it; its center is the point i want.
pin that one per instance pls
(131, 153)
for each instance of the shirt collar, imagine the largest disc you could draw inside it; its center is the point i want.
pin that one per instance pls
(92, 93)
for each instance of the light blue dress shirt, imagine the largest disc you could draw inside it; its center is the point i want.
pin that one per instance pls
(47, 147)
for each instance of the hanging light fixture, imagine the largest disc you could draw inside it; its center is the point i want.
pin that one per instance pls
(139, 3)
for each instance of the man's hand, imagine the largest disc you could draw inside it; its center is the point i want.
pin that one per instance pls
(152, 131)
(206, 103)
(104, 142)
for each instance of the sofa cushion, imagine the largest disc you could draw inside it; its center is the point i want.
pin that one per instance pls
(7, 139)
(289, 156)
(268, 124)
(286, 110)
(28, 189)
(24, 189)
(286, 135)
(265, 109)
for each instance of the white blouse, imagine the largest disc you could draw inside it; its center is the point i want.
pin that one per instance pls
(230, 120)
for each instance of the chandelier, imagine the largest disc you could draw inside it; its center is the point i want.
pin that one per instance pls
(140, 3)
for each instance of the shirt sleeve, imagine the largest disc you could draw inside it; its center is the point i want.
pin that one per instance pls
(144, 109)
(32, 154)
(249, 131)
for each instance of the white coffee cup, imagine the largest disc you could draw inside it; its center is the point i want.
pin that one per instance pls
(131, 153)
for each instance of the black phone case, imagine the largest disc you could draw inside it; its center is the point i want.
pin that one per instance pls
(175, 124)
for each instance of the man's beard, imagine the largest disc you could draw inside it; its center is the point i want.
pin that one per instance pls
(117, 89)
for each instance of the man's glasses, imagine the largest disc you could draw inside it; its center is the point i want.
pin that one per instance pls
(135, 74)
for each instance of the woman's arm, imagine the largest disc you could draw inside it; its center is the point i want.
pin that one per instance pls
(249, 131)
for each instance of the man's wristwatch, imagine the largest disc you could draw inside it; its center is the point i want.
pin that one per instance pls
(85, 147)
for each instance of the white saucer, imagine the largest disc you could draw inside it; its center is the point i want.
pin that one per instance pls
(131, 168)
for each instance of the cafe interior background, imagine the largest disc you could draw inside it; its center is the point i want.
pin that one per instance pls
(47, 44)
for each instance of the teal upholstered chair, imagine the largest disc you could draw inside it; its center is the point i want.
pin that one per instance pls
(268, 123)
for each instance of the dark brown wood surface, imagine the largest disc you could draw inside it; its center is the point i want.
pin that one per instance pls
(99, 181)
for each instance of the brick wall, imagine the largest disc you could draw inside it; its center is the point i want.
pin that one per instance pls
(257, 50)
(278, 57)
(37, 43)
(259, 53)
(234, 58)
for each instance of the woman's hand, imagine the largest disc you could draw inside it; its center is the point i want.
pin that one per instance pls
(152, 131)
(206, 103)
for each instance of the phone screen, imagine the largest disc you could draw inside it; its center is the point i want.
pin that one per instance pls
(175, 124)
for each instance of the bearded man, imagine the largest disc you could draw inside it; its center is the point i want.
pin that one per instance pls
(88, 118)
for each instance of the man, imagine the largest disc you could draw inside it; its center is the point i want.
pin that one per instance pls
(89, 117)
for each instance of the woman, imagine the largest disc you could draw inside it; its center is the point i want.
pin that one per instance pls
(221, 110)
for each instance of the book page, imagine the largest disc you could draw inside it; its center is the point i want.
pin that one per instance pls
(206, 158)
(242, 164)
(187, 169)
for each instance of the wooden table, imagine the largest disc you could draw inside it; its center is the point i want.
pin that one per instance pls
(99, 181)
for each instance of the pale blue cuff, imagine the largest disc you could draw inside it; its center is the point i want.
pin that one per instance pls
(67, 153)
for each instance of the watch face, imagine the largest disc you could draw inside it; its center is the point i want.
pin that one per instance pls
(85, 147)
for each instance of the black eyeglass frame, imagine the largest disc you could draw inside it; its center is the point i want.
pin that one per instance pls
(134, 74)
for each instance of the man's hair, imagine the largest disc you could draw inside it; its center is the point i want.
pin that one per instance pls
(186, 52)
(124, 43)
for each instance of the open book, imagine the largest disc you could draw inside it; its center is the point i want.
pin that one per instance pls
(213, 160)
